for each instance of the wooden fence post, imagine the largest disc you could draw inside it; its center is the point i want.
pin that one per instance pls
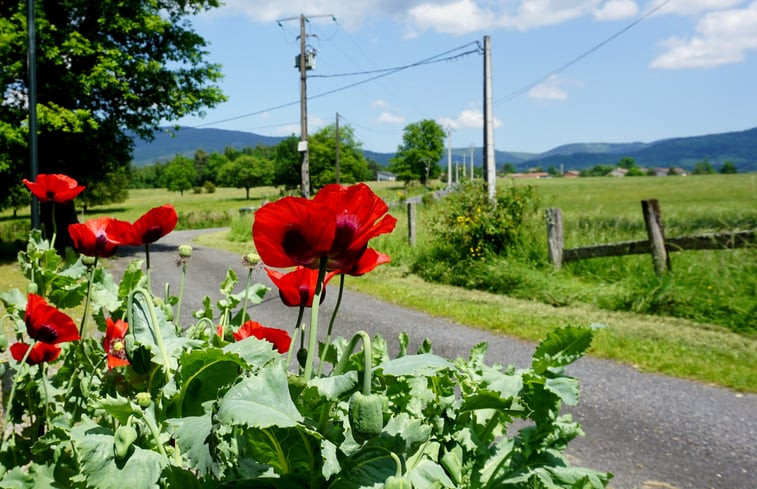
(554, 236)
(656, 234)
(411, 223)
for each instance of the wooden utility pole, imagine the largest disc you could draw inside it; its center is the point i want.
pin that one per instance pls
(490, 170)
(449, 158)
(337, 148)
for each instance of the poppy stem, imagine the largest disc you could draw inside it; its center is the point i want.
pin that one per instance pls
(246, 292)
(181, 294)
(313, 331)
(296, 332)
(55, 226)
(147, 266)
(9, 406)
(91, 277)
(331, 324)
(43, 379)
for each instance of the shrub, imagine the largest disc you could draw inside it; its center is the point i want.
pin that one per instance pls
(209, 187)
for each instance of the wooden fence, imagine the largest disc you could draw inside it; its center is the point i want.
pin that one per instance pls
(656, 243)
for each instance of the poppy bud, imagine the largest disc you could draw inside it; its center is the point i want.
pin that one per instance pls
(395, 482)
(143, 399)
(302, 355)
(366, 416)
(32, 288)
(185, 251)
(3, 343)
(88, 261)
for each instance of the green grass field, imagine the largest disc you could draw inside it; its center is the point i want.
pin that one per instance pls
(712, 292)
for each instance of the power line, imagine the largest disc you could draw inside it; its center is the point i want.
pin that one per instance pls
(526, 88)
(384, 72)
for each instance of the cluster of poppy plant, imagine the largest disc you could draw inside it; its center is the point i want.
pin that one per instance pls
(320, 238)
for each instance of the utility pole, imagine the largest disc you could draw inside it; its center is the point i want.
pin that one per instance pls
(490, 170)
(464, 167)
(449, 158)
(471, 162)
(337, 147)
(32, 72)
(304, 61)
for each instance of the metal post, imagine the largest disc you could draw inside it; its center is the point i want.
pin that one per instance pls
(33, 147)
(411, 223)
(337, 147)
(303, 147)
(490, 170)
(449, 158)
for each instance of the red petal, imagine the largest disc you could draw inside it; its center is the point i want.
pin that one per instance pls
(46, 323)
(41, 352)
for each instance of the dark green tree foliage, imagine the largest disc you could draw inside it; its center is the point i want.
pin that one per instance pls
(703, 167)
(728, 167)
(105, 70)
(247, 171)
(421, 149)
(287, 162)
(509, 168)
(180, 174)
(353, 166)
(596, 171)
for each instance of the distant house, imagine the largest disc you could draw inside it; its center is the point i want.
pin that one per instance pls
(571, 174)
(664, 172)
(540, 174)
(618, 172)
(385, 176)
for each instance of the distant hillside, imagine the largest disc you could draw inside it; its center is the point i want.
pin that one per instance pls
(738, 147)
(187, 140)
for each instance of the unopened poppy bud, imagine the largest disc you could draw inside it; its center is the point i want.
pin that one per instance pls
(31, 288)
(251, 259)
(3, 342)
(143, 399)
(88, 261)
(185, 251)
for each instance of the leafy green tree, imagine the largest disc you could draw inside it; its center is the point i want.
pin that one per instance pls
(703, 167)
(180, 174)
(626, 162)
(596, 171)
(287, 164)
(112, 187)
(421, 149)
(17, 197)
(201, 159)
(509, 168)
(353, 166)
(634, 171)
(728, 167)
(246, 172)
(106, 71)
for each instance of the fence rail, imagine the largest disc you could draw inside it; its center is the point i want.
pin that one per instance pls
(656, 243)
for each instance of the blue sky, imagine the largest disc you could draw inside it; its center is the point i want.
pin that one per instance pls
(563, 71)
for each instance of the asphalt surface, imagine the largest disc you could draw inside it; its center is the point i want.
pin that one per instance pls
(649, 430)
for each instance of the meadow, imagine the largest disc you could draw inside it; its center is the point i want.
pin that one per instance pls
(697, 322)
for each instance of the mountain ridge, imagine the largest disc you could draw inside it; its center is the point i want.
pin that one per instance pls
(739, 147)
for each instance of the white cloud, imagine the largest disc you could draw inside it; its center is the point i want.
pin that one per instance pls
(694, 7)
(459, 17)
(389, 118)
(552, 89)
(378, 104)
(616, 9)
(722, 37)
(469, 118)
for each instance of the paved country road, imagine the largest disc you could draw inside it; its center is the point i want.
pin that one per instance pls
(651, 431)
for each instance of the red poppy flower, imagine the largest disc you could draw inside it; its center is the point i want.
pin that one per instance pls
(293, 231)
(41, 352)
(98, 237)
(278, 337)
(114, 343)
(370, 260)
(54, 187)
(360, 216)
(153, 225)
(337, 224)
(297, 287)
(47, 324)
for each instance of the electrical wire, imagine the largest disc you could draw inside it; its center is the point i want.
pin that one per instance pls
(528, 87)
(385, 72)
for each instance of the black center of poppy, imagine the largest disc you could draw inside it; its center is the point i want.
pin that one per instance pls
(346, 226)
(152, 234)
(46, 334)
(50, 195)
(296, 247)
